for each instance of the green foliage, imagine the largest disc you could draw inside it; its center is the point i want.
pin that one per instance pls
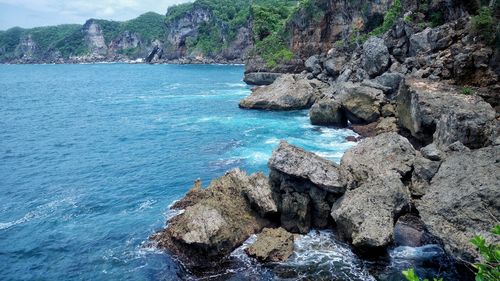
(390, 18)
(436, 19)
(467, 91)
(484, 24)
(273, 50)
(410, 275)
(489, 268)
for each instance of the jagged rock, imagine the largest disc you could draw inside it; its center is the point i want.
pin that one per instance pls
(206, 232)
(360, 103)
(194, 195)
(419, 42)
(363, 161)
(272, 245)
(390, 80)
(288, 92)
(388, 110)
(304, 187)
(261, 78)
(365, 215)
(423, 172)
(335, 65)
(411, 231)
(296, 162)
(463, 200)
(313, 65)
(422, 103)
(376, 57)
(386, 125)
(259, 194)
(431, 152)
(328, 112)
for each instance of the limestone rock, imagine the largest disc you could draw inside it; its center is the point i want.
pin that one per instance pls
(261, 78)
(206, 232)
(464, 200)
(360, 103)
(259, 194)
(376, 58)
(272, 245)
(328, 112)
(288, 92)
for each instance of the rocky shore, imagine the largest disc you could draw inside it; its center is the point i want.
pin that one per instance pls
(426, 170)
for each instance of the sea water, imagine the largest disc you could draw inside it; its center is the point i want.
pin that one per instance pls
(91, 156)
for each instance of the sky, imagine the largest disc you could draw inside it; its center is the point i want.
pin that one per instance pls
(31, 13)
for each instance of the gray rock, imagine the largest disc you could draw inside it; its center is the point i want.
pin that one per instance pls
(259, 194)
(411, 231)
(313, 65)
(206, 232)
(390, 80)
(288, 92)
(388, 110)
(296, 162)
(420, 43)
(365, 215)
(423, 172)
(422, 103)
(376, 57)
(464, 200)
(328, 112)
(335, 65)
(364, 160)
(360, 103)
(272, 245)
(431, 152)
(261, 78)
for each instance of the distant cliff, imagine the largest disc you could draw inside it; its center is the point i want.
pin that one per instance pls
(95, 41)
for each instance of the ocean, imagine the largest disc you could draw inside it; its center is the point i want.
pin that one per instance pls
(91, 156)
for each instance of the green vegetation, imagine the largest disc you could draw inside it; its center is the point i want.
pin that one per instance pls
(487, 270)
(484, 24)
(390, 18)
(467, 91)
(410, 275)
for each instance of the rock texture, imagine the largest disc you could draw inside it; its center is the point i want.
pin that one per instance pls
(288, 92)
(464, 200)
(376, 56)
(360, 103)
(328, 112)
(272, 245)
(208, 230)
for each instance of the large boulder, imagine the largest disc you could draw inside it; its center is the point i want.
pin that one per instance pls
(376, 57)
(210, 229)
(304, 187)
(365, 215)
(328, 112)
(464, 200)
(288, 92)
(421, 104)
(261, 78)
(361, 103)
(272, 245)
(259, 195)
(363, 161)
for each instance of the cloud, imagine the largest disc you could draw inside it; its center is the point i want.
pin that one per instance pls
(77, 11)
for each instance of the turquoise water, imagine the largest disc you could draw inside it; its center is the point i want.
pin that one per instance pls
(92, 155)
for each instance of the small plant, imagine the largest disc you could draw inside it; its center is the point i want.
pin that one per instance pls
(410, 275)
(489, 269)
(408, 18)
(483, 24)
(467, 91)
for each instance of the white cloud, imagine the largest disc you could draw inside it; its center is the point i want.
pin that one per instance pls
(77, 11)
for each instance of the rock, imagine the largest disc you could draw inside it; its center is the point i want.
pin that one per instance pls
(194, 195)
(260, 78)
(422, 103)
(363, 160)
(423, 172)
(376, 57)
(259, 194)
(386, 125)
(388, 110)
(365, 215)
(272, 245)
(335, 65)
(411, 231)
(304, 187)
(419, 42)
(360, 103)
(206, 232)
(457, 146)
(463, 200)
(328, 112)
(298, 163)
(313, 65)
(390, 80)
(431, 152)
(288, 92)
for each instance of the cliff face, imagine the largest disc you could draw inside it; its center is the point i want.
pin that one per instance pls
(96, 40)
